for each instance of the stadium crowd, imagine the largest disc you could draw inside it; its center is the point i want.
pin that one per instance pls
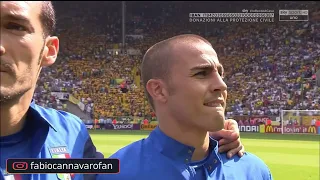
(268, 66)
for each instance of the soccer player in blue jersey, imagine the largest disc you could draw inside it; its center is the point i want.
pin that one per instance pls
(29, 130)
(184, 83)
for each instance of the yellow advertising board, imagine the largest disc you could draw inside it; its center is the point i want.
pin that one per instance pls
(262, 128)
(148, 127)
(306, 120)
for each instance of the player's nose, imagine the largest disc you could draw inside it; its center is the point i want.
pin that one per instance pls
(217, 83)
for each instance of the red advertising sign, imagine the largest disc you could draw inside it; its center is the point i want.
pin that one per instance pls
(258, 119)
(252, 120)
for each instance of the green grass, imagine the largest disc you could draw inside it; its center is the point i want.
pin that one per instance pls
(289, 157)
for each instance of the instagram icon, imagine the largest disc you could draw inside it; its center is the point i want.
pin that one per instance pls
(20, 166)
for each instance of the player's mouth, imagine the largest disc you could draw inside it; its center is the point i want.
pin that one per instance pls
(5, 67)
(215, 103)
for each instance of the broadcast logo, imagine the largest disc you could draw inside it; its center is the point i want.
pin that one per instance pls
(20, 166)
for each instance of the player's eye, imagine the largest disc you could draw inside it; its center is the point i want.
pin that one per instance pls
(221, 73)
(202, 73)
(15, 26)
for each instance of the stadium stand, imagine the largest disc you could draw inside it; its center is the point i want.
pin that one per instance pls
(269, 66)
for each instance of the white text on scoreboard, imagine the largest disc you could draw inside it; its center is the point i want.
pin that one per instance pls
(259, 17)
(232, 15)
(293, 15)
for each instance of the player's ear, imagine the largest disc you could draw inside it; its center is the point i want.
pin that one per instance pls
(157, 90)
(50, 51)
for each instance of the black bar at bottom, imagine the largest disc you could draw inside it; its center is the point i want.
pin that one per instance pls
(55, 165)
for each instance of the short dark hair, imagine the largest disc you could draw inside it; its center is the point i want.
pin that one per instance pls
(158, 59)
(47, 18)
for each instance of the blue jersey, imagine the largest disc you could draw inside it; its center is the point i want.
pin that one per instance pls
(160, 157)
(48, 133)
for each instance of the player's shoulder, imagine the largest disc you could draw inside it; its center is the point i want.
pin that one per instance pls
(248, 164)
(133, 150)
(137, 161)
(60, 119)
(59, 116)
(248, 159)
(131, 162)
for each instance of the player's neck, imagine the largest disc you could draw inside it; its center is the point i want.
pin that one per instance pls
(12, 115)
(190, 136)
(202, 150)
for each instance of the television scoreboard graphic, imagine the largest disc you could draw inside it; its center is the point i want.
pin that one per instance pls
(250, 16)
(242, 17)
(293, 15)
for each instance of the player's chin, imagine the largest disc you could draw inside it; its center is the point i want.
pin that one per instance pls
(216, 123)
